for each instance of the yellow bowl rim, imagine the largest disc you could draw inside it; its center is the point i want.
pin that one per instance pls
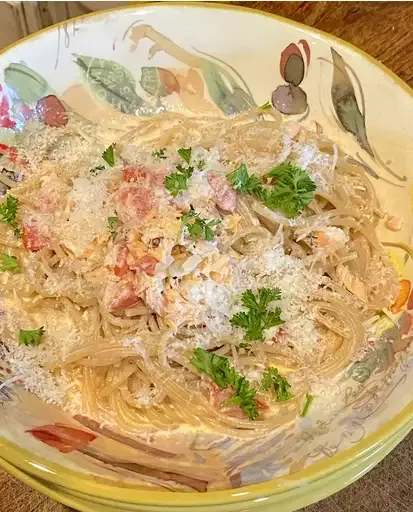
(71, 479)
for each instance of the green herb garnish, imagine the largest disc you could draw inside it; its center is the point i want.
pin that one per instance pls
(178, 181)
(279, 384)
(217, 368)
(197, 227)
(293, 189)
(8, 213)
(8, 263)
(175, 183)
(308, 402)
(266, 106)
(290, 190)
(201, 164)
(30, 338)
(159, 153)
(111, 226)
(185, 154)
(245, 183)
(95, 171)
(109, 155)
(258, 317)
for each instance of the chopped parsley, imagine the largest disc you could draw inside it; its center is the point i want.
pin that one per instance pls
(178, 181)
(308, 402)
(8, 213)
(217, 368)
(95, 171)
(266, 106)
(197, 227)
(293, 189)
(8, 263)
(258, 317)
(30, 338)
(290, 190)
(109, 155)
(277, 383)
(201, 164)
(245, 183)
(111, 226)
(159, 153)
(185, 154)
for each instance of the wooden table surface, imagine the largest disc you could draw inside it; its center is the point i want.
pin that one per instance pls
(384, 30)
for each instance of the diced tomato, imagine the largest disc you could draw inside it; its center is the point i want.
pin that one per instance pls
(147, 264)
(224, 195)
(125, 299)
(134, 172)
(33, 239)
(121, 266)
(65, 439)
(135, 202)
(403, 296)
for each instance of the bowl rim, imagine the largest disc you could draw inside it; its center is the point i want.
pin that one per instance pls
(21, 459)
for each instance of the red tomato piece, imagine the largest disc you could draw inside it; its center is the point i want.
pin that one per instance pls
(33, 239)
(147, 264)
(136, 202)
(134, 173)
(224, 195)
(125, 299)
(121, 266)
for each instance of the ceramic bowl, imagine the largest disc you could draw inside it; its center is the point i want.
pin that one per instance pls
(221, 60)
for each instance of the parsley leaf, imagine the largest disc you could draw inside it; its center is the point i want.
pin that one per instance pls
(8, 263)
(244, 182)
(159, 153)
(111, 226)
(186, 171)
(178, 181)
(8, 213)
(258, 318)
(185, 154)
(217, 368)
(279, 384)
(266, 106)
(30, 338)
(95, 171)
(293, 190)
(308, 402)
(109, 156)
(198, 227)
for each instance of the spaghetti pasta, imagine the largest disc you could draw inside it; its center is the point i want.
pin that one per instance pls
(131, 268)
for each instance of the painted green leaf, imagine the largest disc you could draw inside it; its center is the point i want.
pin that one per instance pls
(231, 100)
(377, 360)
(158, 82)
(345, 103)
(28, 85)
(110, 82)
